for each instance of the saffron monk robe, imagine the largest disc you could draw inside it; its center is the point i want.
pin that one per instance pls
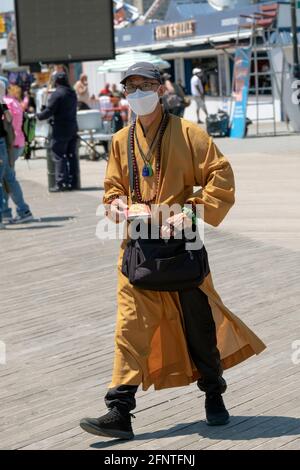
(168, 339)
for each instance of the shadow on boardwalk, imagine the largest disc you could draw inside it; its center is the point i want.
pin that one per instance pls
(57, 322)
(258, 428)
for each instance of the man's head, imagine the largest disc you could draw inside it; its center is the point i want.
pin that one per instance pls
(143, 86)
(61, 79)
(15, 91)
(197, 71)
(166, 76)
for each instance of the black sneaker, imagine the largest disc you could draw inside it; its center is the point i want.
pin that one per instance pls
(56, 189)
(216, 413)
(113, 424)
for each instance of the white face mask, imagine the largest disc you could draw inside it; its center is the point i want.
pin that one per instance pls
(143, 102)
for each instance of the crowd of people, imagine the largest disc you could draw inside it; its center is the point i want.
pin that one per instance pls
(112, 99)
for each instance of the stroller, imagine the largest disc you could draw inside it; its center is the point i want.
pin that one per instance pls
(217, 125)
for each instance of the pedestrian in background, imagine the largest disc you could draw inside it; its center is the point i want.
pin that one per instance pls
(14, 104)
(115, 92)
(105, 91)
(8, 182)
(82, 91)
(197, 91)
(173, 98)
(62, 108)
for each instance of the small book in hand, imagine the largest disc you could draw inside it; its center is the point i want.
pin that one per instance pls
(138, 211)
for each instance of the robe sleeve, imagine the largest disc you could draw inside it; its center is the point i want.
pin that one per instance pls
(212, 171)
(114, 185)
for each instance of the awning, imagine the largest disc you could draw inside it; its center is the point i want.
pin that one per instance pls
(123, 61)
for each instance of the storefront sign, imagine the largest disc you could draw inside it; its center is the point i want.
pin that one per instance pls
(241, 78)
(175, 30)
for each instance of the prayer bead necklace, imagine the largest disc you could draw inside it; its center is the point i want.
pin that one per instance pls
(147, 169)
(136, 194)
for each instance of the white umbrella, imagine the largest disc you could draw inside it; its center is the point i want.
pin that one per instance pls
(125, 60)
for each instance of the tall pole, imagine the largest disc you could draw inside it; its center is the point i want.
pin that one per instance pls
(296, 66)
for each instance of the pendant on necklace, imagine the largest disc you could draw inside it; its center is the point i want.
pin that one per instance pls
(147, 170)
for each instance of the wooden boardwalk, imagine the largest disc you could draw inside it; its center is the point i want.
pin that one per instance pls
(58, 305)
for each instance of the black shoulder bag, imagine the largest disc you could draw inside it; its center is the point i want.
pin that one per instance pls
(162, 264)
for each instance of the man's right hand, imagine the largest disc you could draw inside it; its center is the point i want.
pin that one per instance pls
(117, 210)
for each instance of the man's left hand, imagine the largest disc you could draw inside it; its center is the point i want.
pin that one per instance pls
(177, 222)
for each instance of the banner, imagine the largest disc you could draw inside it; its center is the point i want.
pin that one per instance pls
(241, 76)
(6, 23)
(2, 24)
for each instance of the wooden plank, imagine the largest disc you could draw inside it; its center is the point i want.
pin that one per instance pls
(58, 312)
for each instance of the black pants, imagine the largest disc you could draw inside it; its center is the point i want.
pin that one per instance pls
(200, 333)
(65, 160)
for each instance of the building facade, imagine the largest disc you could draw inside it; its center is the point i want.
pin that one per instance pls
(193, 34)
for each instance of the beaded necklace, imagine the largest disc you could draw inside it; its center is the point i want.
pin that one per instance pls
(147, 169)
(136, 194)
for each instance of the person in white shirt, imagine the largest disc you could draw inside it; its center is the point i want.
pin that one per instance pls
(197, 91)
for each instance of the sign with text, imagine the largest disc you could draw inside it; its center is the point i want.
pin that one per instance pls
(175, 30)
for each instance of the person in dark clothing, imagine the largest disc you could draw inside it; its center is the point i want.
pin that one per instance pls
(62, 108)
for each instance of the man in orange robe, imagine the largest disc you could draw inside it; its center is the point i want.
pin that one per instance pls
(169, 339)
